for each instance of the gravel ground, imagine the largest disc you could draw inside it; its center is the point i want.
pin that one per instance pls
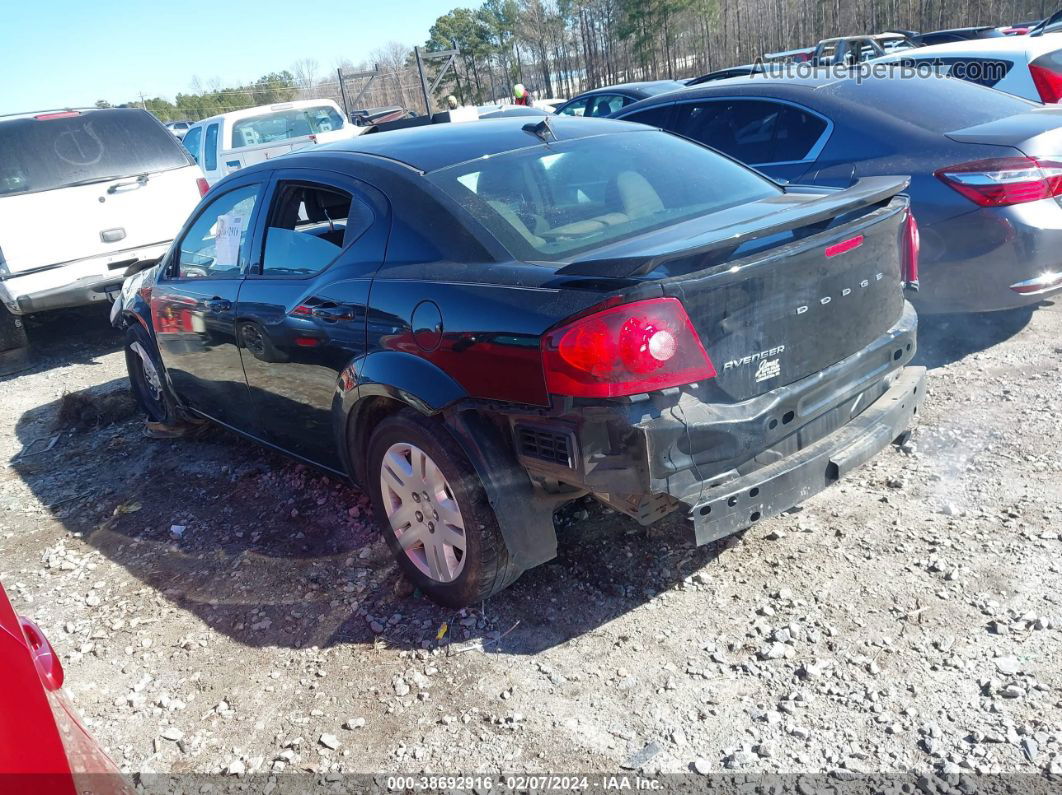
(219, 608)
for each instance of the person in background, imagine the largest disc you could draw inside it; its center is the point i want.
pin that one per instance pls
(521, 96)
(451, 102)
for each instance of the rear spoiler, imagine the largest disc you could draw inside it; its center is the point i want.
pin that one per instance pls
(864, 193)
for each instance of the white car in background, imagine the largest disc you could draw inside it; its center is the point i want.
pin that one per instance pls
(1028, 66)
(178, 128)
(230, 141)
(84, 194)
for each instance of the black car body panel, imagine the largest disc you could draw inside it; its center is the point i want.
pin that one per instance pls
(429, 310)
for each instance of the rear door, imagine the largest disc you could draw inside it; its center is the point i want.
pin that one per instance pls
(110, 180)
(194, 305)
(301, 313)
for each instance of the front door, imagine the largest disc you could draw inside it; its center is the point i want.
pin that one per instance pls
(301, 311)
(194, 307)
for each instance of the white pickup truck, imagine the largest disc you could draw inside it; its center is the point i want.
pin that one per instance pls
(230, 141)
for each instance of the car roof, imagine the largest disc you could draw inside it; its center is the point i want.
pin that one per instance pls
(993, 45)
(645, 86)
(434, 146)
(277, 106)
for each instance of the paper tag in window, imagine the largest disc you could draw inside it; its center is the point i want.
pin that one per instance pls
(227, 240)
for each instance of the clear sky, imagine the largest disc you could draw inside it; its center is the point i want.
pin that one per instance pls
(61, 53)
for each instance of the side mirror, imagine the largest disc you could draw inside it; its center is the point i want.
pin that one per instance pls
(140, 265)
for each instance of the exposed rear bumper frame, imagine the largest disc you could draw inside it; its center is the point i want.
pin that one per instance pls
(780, 486)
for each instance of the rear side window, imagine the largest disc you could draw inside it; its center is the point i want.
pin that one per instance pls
(982, 71)
(41, 154)
(192, 140)
(656, 116)
(550, 202)
(309, 226)
(752, 131)
(284, 124)
(210, 153)
(607, 104)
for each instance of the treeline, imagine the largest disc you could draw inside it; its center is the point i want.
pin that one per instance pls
(558, 48)
(561, 47)
(202, 103)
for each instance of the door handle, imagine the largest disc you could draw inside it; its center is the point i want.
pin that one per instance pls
(218, 304)
(333, 314)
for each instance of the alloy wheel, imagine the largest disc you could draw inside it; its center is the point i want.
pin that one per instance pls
(422, 512)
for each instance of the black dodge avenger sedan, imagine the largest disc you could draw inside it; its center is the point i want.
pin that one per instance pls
(481, 322)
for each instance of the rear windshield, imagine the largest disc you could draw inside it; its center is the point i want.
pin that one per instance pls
(937, 104)
(44, 154)
(284, 124)
(549, 202)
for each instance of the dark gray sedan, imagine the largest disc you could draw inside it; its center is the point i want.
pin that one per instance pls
(608, 100)
(986, 167)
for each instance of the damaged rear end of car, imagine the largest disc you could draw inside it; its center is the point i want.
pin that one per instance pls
(753, 358)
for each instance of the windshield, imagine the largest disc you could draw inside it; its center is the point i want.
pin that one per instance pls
(48, 153)
(552, 201)
(284, 124)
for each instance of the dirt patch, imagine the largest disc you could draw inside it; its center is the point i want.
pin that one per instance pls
(88, 410)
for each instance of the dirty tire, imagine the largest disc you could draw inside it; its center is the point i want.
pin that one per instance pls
(486, 566)
(158, 405)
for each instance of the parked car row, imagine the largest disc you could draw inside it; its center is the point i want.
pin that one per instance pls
(986, 179)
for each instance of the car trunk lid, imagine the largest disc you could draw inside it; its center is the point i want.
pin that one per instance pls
(781, 289)
(1036, 133)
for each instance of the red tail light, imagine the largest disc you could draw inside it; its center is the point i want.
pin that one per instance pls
(1048, 82)
(844, 246)
(911, 245)
(44, 657)
(626, 349)
(1004, 181)
(203, 186)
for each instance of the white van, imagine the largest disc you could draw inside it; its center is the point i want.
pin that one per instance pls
(230, 141)
(83, 195)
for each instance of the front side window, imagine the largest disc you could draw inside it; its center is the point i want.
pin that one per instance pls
(210, 154)
(551, 202)
(576, 107)
(215, 247)
(284, 124)
(308, 227)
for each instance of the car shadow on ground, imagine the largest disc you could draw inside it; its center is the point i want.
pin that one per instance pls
(64, 337)
(944, 339)
(274, 553)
